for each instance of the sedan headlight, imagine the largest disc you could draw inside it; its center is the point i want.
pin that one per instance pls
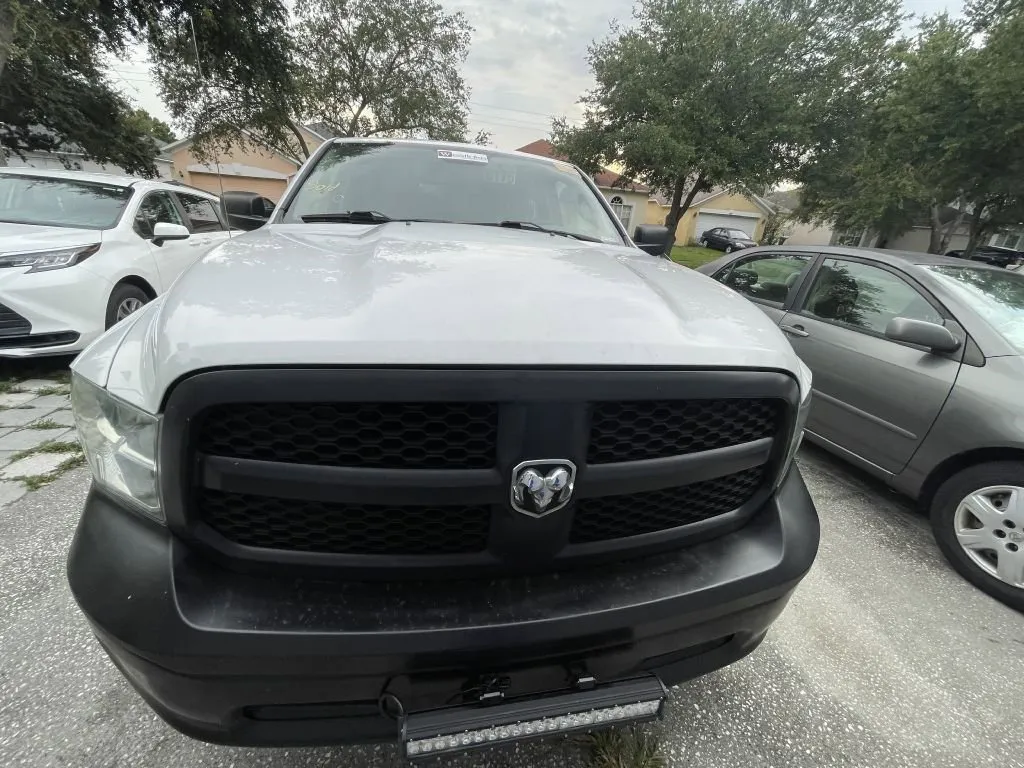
(120, 442)
(806, 381)
(43, 261)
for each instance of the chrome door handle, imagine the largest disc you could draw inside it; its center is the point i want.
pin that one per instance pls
(794, 330)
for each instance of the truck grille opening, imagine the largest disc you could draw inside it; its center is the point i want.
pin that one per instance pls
(357, 529)
(331, 466)
(617, 517)
(372, 435)
(654, 429)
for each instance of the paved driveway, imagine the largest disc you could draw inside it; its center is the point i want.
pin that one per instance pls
(883, 658)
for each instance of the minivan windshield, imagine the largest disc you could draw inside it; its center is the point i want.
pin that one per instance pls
(56, 202)
(995, 294)
(403, 181)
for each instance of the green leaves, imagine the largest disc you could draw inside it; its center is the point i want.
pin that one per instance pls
(727, 92)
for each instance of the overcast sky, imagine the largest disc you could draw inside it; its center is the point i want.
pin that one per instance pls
(527, 62)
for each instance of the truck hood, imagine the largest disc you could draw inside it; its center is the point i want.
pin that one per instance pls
(15, 238)
(436, 294)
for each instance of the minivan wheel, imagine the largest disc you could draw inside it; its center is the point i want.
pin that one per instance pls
(978, 520)
(125, 299)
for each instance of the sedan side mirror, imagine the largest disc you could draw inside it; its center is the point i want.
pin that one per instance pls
(164, 231)
(652, 239)
(932, 335)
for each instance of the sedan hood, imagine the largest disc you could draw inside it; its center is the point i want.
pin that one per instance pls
(436, 294)
(15, 238)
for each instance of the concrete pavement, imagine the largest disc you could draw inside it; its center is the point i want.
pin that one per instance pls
(883, 658)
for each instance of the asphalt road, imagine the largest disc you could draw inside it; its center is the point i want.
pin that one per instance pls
(883, 658)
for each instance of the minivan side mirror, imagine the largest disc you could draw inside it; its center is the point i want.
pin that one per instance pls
(652, 239)
(164, 231)
(932, 335)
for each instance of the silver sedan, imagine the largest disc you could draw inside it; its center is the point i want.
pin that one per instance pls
(918, 374)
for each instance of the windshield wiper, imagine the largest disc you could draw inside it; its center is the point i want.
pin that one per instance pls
(349, 217)
(538, 228)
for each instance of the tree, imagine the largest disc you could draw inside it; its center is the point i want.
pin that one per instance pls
(383, 67)
(53, 95)
(704, 93)
(51, 83)
(150, 125)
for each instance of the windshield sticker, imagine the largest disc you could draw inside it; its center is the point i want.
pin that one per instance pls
(454, 154)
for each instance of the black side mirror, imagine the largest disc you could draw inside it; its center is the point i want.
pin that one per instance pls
(652, 239)
(935, 337)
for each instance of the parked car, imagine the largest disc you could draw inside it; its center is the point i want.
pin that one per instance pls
(391, 467)
(81, 251)
(992, 254)
(726, 239)
(918, 366)
(246, 210)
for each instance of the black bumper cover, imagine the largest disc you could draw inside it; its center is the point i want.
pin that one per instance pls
(261, 659)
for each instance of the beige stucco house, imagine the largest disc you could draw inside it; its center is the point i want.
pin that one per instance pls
(718, 208)
(247, 166)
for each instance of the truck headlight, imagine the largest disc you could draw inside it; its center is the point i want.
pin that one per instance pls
(806, 381)
(120, 442)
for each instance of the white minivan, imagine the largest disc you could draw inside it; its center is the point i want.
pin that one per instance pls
(80, 251)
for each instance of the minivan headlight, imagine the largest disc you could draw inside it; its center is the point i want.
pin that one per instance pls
(44, 261)
(120, 442)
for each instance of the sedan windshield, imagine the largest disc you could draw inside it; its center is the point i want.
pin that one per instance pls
(738, 234)
(60, 202)
(375, 182)
(997, 295)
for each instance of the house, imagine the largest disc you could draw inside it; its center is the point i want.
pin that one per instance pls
(917, 238)
(245, 166)
(721, 207)
(71, 157)
(627, 198)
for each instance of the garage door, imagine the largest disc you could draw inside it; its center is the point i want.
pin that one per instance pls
(744, 221)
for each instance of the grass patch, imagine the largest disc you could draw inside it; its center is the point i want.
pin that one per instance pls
(624, 748)
(53, 446)
(35, 482)
(10, 387)
(44, 424)
(693, 256)
(58, 390)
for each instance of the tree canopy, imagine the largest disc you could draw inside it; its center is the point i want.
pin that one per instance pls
(53, 92)
(941, 144)
(701, 93)
(359, 67)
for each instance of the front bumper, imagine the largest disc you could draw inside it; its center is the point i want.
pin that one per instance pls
(281, 659)
(65, 308)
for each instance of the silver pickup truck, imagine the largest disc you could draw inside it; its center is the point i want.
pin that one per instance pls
(438, 456)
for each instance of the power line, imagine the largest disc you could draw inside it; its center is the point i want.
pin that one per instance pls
(512, 109)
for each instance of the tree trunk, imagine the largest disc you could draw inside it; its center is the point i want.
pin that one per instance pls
(672, 218)
(975, 230)
(302, 142)
(951, 227)
(935, 235)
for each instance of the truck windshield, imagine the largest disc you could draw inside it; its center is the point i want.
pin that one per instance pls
(997, 295)
(400, 181)
(60, 202)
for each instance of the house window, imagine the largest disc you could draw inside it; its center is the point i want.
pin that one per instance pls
(1013, 240)
(849, 237)
(623, 210)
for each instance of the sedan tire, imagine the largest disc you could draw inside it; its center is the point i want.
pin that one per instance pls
(977, 517)
(703, 243)
(728, 249)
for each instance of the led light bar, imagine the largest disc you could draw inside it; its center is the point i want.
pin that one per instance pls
(463, 728)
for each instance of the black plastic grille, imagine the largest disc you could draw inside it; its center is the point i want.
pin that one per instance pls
(350, 529)
(13, 324)
(373, 435)
(616, 517)
(653, 429)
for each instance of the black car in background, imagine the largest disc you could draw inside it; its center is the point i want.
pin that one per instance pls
(726, 239)
(992, 254)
